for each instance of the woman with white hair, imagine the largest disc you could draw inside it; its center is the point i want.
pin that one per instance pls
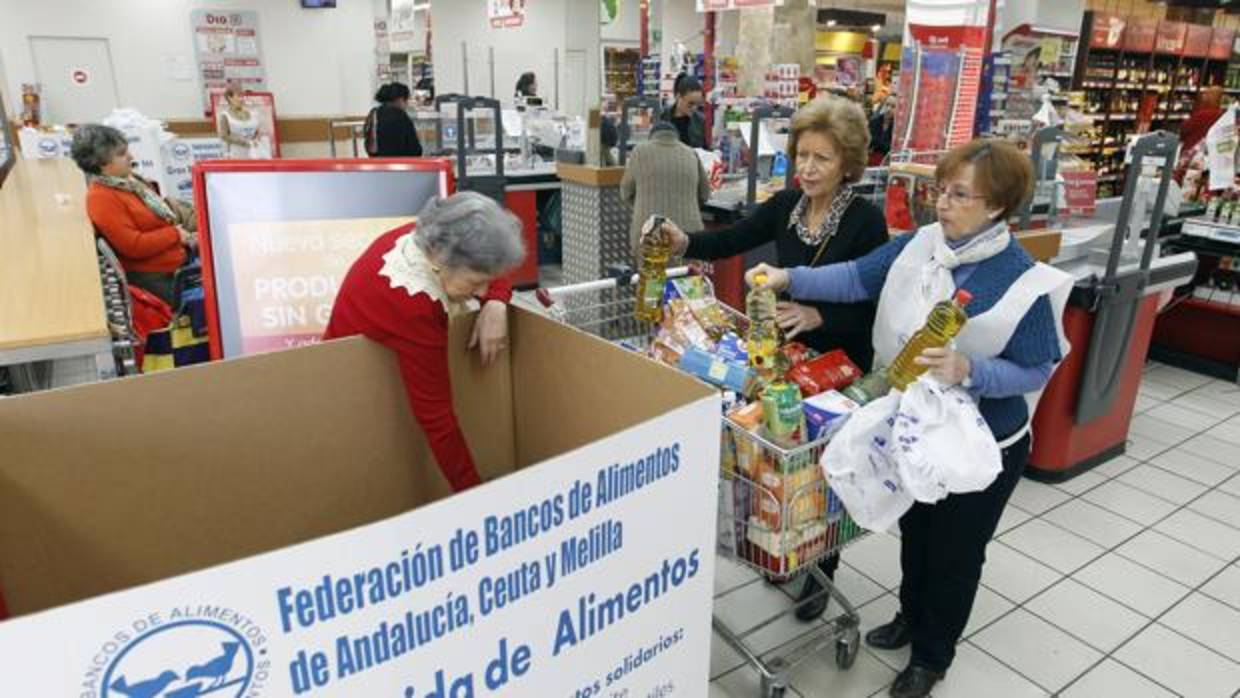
(402, 290)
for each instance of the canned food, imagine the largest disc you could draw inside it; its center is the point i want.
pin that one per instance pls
(783, 413)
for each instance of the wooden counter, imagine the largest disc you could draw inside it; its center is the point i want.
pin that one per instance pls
(50, 290)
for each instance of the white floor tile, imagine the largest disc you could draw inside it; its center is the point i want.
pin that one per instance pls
(1052, 545)
(722, 657)
(1231, 486)
(755, 604)
(1129, 502)
(1225, 587)
(975, 674)
(1203, 533)
(880, 612)
(1213, 624)
(877, 557)
(1092, 522)
(1013, 575)
(1194, 467)
(1036, 497)
(1116, 466)
(1131, 584)
(1180, 664)
(1183, 417)
(1102, 623)
(1082, 482)
(1143, 448)
(1159, 391)
(1226, 432)
(1160, 483)
(1221, 390)
(1161, 431)
(1036, 649)
(1219, 505)
(1171, 558)
(730, 576)
(1145, 403)
(856, 587)
(1110, 679)
(1207, 404)
(1011, 518)
(741, 683)
(1176, 377)
(819, 676)
(987, 608)
(1215, 449)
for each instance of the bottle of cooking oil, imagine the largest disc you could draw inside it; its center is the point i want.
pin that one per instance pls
(945, 321)
(656, 249)
(762, 341)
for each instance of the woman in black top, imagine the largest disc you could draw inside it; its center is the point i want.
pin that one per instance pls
(389, 130)
(822, 223)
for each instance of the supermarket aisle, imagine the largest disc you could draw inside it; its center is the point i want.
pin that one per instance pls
(1124, 582)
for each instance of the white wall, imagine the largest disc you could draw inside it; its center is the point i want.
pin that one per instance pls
(317, 61)
(626, 30)
(681, 22)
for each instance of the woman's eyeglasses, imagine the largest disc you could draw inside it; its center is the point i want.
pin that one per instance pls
(955, 197)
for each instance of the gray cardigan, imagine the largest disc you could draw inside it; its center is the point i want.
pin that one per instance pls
(664, 177)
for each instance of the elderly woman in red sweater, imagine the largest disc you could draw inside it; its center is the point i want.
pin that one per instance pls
(402, 290)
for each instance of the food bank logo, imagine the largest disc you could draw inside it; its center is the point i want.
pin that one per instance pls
(209, 652)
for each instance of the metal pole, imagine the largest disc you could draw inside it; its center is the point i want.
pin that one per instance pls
(556, 72)
(491, 65)
(465, 67)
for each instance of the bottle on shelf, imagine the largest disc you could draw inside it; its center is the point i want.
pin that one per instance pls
(762, 340)
(944, 322)
(656, 249)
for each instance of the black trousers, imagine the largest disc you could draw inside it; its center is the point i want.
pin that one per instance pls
(942, 549)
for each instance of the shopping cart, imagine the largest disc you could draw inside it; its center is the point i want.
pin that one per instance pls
(777, 515)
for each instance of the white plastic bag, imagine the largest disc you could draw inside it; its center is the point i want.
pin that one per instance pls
(940, 443)
(859, 468)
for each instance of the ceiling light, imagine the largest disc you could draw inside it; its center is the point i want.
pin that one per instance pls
(876, 28)
(830, 23)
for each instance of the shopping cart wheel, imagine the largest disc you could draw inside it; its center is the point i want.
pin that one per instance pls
(846, 649)
(775, 685)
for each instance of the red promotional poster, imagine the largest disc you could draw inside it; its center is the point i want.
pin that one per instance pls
(1107, 31)
(1221, 42)
(1080, 193)
(264, 105)
(1140, 35)
(1197, 41)
(1170, 37)
(944, 77)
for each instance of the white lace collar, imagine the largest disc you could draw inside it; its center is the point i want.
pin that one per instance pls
(407, 266)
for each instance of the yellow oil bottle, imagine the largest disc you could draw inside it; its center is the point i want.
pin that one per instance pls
(944, 322)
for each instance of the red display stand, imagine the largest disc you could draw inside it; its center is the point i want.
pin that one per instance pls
(1201, 329)
(1061, 447)
(524, 205)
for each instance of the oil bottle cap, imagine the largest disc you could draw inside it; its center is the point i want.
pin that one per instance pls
(759, 279)
(963, 297)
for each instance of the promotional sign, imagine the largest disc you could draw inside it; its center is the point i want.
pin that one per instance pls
(287, 275)
(942, 69)
(1141, 35)
(1170, 37)
(1197, 41)
(1221, 43)
(716, 5)
(506, 13)
(586, 573)
(1107, 31)
(277, 238)
(264, 105)
(227, 49)
(179, 156)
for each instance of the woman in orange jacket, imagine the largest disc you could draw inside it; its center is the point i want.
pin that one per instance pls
(146, 231)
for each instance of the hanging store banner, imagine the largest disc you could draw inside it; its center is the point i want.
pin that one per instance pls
(227, 50)
(718, 5)
(506, 13)
(1107, 31)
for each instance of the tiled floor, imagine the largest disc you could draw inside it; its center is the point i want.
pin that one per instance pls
(1124, 582)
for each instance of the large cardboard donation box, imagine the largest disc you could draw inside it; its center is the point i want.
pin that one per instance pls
(276, 526)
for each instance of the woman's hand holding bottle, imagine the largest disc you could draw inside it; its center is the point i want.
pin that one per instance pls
(767, 276)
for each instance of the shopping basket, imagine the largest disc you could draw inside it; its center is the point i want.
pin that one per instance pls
(777, 514)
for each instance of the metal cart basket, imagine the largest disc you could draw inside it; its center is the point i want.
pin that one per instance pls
(777, 514)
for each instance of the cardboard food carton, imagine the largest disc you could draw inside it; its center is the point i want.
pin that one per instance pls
(276, 526)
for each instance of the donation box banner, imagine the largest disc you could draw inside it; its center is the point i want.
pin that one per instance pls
(566, 579)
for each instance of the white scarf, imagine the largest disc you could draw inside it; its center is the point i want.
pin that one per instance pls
(936, 280)
(407, 266)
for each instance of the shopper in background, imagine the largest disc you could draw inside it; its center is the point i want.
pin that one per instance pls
(402, 290)
(824, 222)
(148, 233)
(882, 125)
(237, 126)
(527, 86)
(685, 112)
(389, 130)
(664, 177)
(998, 361)
(1208, 110)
